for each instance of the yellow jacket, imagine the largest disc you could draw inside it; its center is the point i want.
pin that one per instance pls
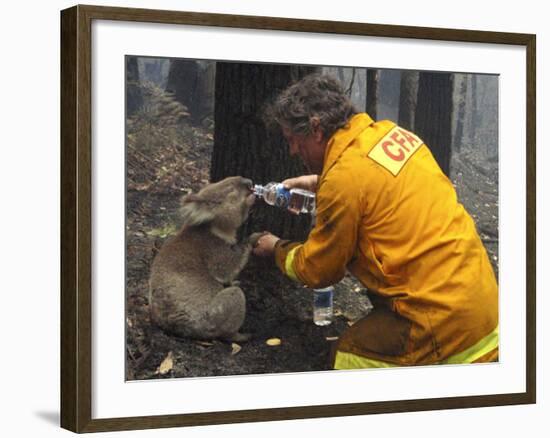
(388, 214)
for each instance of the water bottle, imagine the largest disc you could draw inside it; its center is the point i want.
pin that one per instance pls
(322, 306)
(295, 200)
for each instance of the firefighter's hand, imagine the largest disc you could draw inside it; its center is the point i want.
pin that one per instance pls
(265, 246)
(254, 237)
(306, 182)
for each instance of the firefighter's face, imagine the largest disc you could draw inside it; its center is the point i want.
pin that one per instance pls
(309, 147)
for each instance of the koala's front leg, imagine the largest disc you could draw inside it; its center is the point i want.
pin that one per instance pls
(226, 263)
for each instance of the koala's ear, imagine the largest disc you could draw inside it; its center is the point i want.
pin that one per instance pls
(195, 210)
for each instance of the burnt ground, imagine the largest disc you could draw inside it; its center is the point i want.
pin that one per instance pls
(475, 178)
(165, 164)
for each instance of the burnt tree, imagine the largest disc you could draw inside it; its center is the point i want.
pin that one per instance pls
(242, 144)
(191, 82)
(433, 115)
(134, 98)
(475, 108)
(372, 92)
(408, 92)
(460, 111)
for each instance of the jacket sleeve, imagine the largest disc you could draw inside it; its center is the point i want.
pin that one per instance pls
(322, 259)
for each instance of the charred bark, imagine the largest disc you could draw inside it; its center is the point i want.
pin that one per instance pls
(460, 113)
(192, 84)
(372, 92)
(134, 98)
(408, 93)
(433, 115)
(242, 144)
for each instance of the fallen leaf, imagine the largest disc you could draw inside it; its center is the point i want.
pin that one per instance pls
(235, 348)
(166, 365)
(162, 232)
(129, 322)
(357, 289)
(273, 342)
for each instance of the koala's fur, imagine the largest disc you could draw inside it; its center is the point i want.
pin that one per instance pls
(192, 289)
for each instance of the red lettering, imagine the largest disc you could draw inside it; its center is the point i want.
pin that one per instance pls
(409, 137)
(396, 157)
(395, 137)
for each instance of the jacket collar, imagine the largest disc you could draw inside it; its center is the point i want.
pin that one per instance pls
(342, 138)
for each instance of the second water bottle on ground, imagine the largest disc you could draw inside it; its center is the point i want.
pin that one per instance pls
(322, 305)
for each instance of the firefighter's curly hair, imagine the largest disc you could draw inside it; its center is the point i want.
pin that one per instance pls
(314, 95)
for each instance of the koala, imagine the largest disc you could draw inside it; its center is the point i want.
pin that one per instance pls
(192, 287)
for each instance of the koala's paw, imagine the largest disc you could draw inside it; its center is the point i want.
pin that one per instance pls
(254, 237)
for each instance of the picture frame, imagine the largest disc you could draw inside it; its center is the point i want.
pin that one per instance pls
(78, 171)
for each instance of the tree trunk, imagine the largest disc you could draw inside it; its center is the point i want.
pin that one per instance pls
(134, 99)
(433, 115)
(460, 112)
(489, 110)
(242, 145)
(349, 89)
(372, 92)
(475, 106)
(341, 75)
(191, 82)
(153, 70)
(408, 93)
(208, 87)
(360, 99)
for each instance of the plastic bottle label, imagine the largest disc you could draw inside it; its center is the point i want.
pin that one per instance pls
(282, 198)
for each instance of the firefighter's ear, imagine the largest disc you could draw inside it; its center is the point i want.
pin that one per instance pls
(315, 126)
(196, 211)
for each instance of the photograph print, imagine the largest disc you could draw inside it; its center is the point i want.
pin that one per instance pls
(303, 218)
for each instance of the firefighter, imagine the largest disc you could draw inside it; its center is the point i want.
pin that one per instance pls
(387, 214)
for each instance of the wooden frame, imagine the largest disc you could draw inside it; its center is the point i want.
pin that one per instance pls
(76, 174)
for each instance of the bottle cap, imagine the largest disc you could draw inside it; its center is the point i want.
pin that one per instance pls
(258, 190)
